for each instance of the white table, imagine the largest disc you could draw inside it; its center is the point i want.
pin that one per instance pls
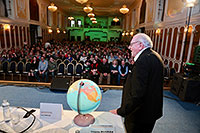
(66, 125)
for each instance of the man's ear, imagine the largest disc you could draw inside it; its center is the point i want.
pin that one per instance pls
(141, 46)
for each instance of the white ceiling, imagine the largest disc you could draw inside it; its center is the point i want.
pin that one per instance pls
(101, 7)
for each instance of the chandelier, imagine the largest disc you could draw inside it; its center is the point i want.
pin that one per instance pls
(91, 15)
(87, 9)
(6, 27)
(81, 1)
(124, 9)
(93, 19)
(158, 31)
(58, 31)
(115, 19)
(50, 30)
(131, 33)
(94, 22)
(127, 33)
(70, 18)
(52, 7)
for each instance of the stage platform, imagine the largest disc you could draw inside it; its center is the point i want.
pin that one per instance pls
(24, 83)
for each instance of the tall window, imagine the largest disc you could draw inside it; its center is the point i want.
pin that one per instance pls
(59, 20)
(6, 8)
(79, 23)
(160, 9)
(49, 17)
(72, 23)
(133, 19)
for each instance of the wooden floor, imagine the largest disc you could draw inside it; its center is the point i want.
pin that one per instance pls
(24, 83)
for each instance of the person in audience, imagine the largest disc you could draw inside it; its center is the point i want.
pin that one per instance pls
(87, 69)
(104, 70)
(77, 58)
(91, 58)
(166, 68)
(111, 58)
(47, 45)
(94, 73)
(83, 57)
(52, 66)
(34, 67)
(142, 97)
(42, 69)
(69, 57)
(97, 59)
(123, 71)
(130, 66)
(114, 71)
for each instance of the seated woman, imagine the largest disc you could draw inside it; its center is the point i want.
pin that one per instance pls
(94, 73)
(33, 67)
(114, 71)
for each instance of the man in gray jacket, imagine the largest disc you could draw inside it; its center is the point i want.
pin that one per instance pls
(42, 68)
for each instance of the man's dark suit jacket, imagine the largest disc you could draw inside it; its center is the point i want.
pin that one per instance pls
(142, 98)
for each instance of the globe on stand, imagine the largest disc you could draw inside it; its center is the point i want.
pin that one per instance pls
(84, 96)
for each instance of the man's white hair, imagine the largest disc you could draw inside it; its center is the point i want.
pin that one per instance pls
(144, 39)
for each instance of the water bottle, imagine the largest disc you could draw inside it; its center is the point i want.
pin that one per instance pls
(6, 111)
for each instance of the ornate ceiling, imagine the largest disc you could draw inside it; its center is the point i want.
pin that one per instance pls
(101, 7)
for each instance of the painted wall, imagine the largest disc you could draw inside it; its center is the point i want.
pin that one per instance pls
(169, 43)
(19, 21)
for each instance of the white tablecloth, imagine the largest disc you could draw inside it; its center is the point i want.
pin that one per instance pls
(66, 125)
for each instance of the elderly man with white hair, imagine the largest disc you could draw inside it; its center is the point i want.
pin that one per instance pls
(142, 98)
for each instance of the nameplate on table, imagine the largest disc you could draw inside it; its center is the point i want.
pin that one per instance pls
(102, 129)
(51, 111)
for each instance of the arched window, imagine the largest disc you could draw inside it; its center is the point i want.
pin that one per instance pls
(72, 23)
(79, 23)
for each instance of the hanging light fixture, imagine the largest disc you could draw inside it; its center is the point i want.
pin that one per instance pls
(50, 30)
(87, 9)
(70, 18)
(158, 31)
(115, 19)
(64, 32)
(52, 7)
(93, 19)
(131, 33)
(6, 27)
(91, 15)
(58, 31)
(123, 34)
(190, 3)
(127, 33)
(94, 22)
(124, 9)
(81, 1)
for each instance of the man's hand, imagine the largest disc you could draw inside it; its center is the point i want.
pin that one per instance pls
(114, 111)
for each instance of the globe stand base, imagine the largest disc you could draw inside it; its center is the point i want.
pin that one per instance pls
(84, 120)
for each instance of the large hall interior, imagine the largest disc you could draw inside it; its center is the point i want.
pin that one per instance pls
(48, 45)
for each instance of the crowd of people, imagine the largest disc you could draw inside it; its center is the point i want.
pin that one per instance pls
(101, 60)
